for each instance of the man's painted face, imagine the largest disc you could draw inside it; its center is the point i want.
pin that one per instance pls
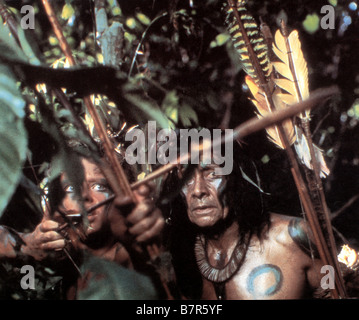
(94, 190)
(203, 194)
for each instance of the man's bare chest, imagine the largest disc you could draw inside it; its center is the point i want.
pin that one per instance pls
(261, 277)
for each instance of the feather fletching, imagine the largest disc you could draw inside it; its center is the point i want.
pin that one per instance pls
(261, 103)
(253, 53)
(292, 67)
(248, 41)
(293, 70)
(252, 50)
(302, 149)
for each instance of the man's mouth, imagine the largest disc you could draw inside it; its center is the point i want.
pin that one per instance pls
(203, 209)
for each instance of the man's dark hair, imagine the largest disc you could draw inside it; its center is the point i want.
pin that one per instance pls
(246, 205)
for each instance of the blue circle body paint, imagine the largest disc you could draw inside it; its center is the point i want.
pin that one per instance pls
(265, 269)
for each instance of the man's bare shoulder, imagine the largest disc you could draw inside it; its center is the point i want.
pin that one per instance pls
(292, 232)
(279, 223)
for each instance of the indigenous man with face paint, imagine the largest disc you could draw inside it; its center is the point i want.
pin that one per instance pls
(225, 245)
(112, 228)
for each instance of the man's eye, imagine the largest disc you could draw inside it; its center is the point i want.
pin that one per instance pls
(210, 175)
(100, 187)
(69, 189)
(213, 176)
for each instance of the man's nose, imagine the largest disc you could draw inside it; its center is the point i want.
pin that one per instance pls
(86, 194)
(199, 186)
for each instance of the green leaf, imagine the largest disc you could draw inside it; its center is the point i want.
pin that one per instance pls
(311, 23)
(188, 116)
(131, 23)
(220, 40)
(143, 18)
(116, 11)
(146, 110)
(170, 105)
(13, 136)
(67, 11)
(8, 46)
(172, 113)
(28, 46)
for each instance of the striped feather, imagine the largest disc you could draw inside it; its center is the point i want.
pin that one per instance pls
(246, 36)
